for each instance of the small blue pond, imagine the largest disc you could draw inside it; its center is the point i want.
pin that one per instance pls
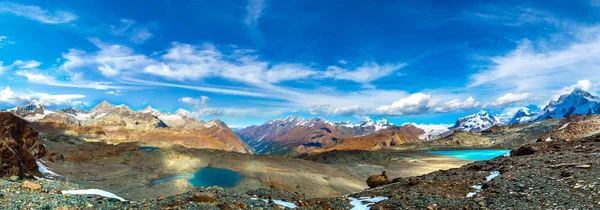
(208, 176)
(475, 155)
(149, 149)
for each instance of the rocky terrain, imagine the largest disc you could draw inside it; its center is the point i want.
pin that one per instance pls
(549, 175)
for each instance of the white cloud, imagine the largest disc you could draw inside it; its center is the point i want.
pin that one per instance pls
(115, 92)
(508, 99)
(19, 64)
(319, 109)
(110, 60)
(201, 106)
(254, 10)
(536, 69)
(10, 97)
(37, 13)
(137, 34)
(43, 79)
(354, 110)
(420, 103)
(364, 74)
(581, 85)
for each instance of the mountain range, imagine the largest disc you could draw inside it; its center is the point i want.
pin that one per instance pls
(295, 133)
(290, 135)
(119, 123)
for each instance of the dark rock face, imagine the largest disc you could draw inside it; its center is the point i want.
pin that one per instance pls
(19, 147)
(524, 150)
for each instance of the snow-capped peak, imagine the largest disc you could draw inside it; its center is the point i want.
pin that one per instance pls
(476, 122)
(432, 131)
(577, 102)
(523, 115)
(184, 113)
(151, 110)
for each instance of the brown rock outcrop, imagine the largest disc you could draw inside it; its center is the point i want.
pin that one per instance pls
(378, 180)
(19, 147)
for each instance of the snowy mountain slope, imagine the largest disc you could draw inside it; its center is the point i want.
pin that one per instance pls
(433, 131)
(522, 116)
(576, 102)
(476, 122)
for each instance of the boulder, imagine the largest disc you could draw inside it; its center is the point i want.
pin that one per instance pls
(200, 196)
(19, 147)
(378, 180)
(524, 150)
(31, 185)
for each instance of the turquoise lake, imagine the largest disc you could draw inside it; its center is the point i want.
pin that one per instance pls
(475, 155)
(209, 176)
(149, 149)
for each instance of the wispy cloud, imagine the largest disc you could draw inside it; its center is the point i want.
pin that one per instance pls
(43, 79)
(254, 10)
(515, 17)
(137, 33)
(4, 40)
(37, 13)
(531, 68)
(201, 107)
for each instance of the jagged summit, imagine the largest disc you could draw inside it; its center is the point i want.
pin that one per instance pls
(103, 106)
(476, 122)
(577, 102)
(523, 115)
(184, 113)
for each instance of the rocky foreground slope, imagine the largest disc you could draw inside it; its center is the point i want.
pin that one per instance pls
(545, 175)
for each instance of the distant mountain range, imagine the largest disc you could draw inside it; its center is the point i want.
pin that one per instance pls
(294, 133)
(118, 123)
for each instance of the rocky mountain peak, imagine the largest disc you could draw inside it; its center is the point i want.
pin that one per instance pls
(476, 122)
(523, 115)
(577, 102)
(104, 106)
(151, 110)
(185, 113)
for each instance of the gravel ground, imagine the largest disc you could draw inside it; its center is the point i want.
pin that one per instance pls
(544, 175)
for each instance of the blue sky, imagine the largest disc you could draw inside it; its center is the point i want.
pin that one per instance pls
(246, 62)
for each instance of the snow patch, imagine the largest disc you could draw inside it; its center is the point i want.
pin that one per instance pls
(279, 202)
(364, 203)
(564, 126)
(44, 170)
(93, 192)
(492, 175)
(478, 188)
